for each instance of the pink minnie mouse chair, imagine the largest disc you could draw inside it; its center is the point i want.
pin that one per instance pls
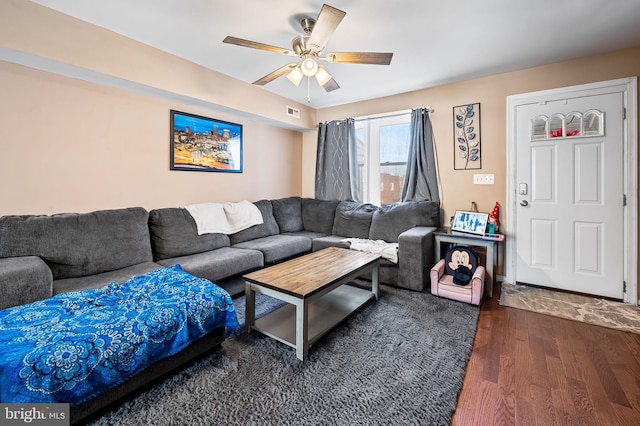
(458, 276)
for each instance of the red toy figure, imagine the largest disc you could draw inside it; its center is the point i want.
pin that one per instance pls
(493, 217)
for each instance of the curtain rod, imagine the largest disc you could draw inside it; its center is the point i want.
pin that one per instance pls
(391, 114)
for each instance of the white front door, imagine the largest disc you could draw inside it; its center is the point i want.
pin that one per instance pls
(569, 185)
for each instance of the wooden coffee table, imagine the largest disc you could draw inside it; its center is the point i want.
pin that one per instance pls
(313, 287)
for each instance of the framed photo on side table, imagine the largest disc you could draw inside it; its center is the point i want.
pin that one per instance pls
(470, 222)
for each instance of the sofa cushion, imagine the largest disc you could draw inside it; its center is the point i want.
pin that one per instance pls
(278, 247)
(100, 280)
(318, 215)
(174, 233)
(309, 234)
(390, 221)
(24, 280)
(353, 219)
(79, 244)
(218, 264)
(288, 213)
(329, 241)
(269, 227)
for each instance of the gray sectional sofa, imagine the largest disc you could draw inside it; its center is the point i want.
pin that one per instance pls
(294, 226)
(41, 256)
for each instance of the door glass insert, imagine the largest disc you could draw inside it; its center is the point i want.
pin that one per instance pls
(573, 124)
(593, 123)
(539, 127)
(556, 127)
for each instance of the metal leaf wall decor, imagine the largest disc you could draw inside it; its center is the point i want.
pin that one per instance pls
(466, 137)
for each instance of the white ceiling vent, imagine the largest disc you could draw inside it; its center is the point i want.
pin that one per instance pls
(293, 112)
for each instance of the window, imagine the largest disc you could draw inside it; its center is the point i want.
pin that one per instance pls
(382, 146)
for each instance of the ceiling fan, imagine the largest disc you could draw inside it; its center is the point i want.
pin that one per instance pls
(309, 48)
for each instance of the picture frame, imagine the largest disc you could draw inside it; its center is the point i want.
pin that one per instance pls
(205, 144)
(470, 222)
(467, 147)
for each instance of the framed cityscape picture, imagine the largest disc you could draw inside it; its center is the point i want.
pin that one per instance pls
(204, 144)
(466, 137)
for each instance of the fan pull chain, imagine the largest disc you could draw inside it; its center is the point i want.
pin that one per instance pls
(308, 90)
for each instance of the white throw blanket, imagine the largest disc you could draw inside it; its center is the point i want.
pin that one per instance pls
(387, 250)
(224, 218)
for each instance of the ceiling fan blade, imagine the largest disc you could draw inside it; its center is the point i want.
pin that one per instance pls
(375, 58)
(330, 85)
(275, 74)
(255, 45)
(327, 22)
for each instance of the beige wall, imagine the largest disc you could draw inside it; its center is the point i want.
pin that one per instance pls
(69, 145)
(458, 190)
(491, 92)
(47, 35)
(81, 144)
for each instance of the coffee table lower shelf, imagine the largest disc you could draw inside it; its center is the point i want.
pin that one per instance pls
(324, 314)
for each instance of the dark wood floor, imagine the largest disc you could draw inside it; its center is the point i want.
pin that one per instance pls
(532, 369)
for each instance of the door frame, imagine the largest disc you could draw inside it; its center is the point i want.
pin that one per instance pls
(629, 88)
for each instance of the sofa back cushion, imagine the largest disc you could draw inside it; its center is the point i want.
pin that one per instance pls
(390, 221)
(174, 233)
(288, 214)
(79, 244)
(267, 228)
(318, 215)
(353, 219)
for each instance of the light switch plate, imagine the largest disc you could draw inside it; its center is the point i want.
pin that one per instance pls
(486, 179)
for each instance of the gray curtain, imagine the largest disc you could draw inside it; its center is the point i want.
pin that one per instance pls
(336, 161)
(421, 179)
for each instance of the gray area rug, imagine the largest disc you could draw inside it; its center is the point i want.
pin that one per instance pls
(576, 307)
(400, 360)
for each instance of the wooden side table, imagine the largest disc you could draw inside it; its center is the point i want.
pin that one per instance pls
(445, 235)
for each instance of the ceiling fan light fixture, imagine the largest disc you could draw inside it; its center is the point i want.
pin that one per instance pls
(309, 67)
(295, 76)
(323, 76)
(308, 48)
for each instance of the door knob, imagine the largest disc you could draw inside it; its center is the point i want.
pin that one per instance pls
(524, 203)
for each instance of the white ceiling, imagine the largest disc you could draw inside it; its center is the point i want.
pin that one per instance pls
(434, 41)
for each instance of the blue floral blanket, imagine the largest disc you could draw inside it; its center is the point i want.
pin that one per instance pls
(74, 346)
